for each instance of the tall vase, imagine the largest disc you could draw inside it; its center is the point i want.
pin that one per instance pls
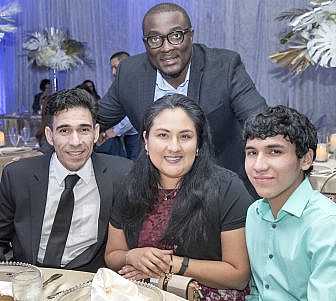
(53, 79)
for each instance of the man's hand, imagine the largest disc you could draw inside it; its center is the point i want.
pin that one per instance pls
(110, 133)
(104, 136)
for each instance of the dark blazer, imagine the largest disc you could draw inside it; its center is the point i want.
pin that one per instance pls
(218, 82)
(23, 195)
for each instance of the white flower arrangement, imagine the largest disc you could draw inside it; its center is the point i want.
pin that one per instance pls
(6, 18)
(52, 48)
(311, 39)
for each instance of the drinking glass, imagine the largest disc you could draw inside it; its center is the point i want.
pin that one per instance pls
(14, 136)
(27, 286)
(322, 153)
(25, 135)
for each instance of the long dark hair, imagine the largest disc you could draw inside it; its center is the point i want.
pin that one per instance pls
(189, 215)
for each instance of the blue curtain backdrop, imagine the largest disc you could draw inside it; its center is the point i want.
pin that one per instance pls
(246, 26)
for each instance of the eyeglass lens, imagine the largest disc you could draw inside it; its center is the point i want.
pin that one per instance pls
(174, 38)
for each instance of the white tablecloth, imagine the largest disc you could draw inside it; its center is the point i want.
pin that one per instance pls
(71, 278)
(320, 177)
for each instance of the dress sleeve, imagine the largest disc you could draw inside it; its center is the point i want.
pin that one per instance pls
(233, 204)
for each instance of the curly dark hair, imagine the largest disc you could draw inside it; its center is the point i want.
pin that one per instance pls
(282, 120)
(189, 215)
(68, 99)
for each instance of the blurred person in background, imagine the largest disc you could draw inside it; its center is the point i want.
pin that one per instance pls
(40, 97)
(90, 87)
(124, 129)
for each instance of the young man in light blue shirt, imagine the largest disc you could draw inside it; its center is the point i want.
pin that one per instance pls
(290, 232)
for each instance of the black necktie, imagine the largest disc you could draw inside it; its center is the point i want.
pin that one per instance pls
(62, 221)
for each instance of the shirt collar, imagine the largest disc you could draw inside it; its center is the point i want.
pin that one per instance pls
(295, 204)
(165, 86)
(299, 199)
(61, 172)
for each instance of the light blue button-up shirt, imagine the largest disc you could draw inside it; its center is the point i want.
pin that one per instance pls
(293, 256)
(162, 87)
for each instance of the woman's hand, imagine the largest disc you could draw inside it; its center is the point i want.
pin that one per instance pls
(131, 273)
(150, 261)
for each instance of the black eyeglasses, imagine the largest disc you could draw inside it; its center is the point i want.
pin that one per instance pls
(175, 37)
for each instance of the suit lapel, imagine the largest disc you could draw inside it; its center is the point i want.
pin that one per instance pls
(196, 74)
(38, 199)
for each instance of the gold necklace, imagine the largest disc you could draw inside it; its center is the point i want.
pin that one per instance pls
(171, 194)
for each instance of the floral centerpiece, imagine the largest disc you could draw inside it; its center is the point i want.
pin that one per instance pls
(311, 38)
(53, 48)
(6, 18)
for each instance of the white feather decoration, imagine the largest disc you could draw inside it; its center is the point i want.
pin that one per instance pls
(6, 18)
(322, 48)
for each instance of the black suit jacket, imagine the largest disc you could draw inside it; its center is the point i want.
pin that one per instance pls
(218, 82)
(23, 195)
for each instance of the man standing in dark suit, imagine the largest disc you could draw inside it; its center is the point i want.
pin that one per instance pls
(215, 78)
(54, 209)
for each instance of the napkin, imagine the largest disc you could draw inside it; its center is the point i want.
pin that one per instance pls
(6, 288)
(110, 286)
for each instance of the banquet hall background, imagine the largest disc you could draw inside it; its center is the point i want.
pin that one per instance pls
(248, 27)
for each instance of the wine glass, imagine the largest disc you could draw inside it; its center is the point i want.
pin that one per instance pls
(27, 286)
(25, 134)
(14, 136)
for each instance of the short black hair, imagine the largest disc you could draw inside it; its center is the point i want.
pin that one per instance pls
(285, 121)
(68, 99)
(44, 83)
(166, 7)
(119, 55)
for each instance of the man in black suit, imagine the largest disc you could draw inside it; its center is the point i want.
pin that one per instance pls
(46, 222)
(215, 78)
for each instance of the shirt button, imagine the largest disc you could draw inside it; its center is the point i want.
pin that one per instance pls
(267, 286)
(270, 256)
(273, 226)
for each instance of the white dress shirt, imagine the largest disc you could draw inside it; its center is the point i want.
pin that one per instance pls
(84, 224)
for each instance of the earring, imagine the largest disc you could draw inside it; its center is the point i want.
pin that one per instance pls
(196, 152)
(146, 149)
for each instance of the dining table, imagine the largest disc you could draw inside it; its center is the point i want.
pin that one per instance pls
(323, 177)
(11, 154)
(71, 280)
(73, 285)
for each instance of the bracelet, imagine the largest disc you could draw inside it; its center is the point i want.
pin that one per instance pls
(184, 266)
(171, 264)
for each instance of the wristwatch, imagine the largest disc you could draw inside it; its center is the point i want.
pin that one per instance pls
(184, 266)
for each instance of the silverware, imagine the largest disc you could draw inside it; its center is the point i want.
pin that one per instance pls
(70, 289)
(51, 279)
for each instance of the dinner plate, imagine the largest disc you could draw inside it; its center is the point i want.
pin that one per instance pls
(319, 169)
(7, 272)
(82, 292)
(7, 151)
(9, 269)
